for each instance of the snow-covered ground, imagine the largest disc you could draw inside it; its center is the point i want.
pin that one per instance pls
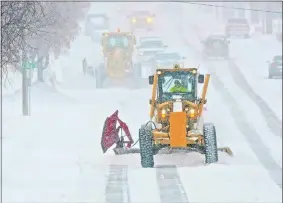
(255, 68)
(55, 155)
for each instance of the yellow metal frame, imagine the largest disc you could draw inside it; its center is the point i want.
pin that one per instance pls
(162, 135)
(115, 58)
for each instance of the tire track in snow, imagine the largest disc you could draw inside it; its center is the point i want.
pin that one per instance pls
(273, 122)
(117, 188)
(170, 186)
(253, 138)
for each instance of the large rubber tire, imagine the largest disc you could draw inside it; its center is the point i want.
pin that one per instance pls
(210, 141)
(146, 147)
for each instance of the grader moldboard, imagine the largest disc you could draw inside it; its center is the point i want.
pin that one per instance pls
(117, 50)
(176, 123)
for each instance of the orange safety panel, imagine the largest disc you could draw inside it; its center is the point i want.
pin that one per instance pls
(178, 129)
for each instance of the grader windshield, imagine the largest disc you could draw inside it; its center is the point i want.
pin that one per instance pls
(181, 83)
(119, 40)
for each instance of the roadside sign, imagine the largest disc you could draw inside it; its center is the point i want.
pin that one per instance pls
(29, 65)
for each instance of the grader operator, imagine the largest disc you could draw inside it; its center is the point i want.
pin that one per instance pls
(117, 50)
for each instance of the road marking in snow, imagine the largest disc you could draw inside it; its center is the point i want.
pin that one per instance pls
(253, 138)
(143, 185)
(117, 189)
(273, 122)
(170, 186)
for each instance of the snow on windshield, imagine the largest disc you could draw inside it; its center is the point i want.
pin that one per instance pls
(168, 56)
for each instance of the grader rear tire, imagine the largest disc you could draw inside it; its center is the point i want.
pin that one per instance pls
(146, 147)
(210, 141)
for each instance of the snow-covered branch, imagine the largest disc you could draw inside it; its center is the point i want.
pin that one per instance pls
(34, 29)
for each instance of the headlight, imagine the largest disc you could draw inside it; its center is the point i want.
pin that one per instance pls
(134, 20)
(163, 113)
(149, 20)
(191, 113)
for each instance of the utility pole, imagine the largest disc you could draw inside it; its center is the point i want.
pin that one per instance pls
(25, 84)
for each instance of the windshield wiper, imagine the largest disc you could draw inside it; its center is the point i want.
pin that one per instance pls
(171, 80)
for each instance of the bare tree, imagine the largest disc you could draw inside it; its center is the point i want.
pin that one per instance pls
(37, 28)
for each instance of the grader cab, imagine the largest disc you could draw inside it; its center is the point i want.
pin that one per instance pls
(176, 116)
(117, 50)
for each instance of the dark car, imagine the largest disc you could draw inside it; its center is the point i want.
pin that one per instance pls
(216, 46)
(275, 67)
(142, 19)
(96, 24)
(237, 27)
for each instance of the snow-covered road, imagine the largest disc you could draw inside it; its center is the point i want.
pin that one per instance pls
(55, 155)
(254, 68)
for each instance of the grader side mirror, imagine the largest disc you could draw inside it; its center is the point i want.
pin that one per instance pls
(201, 78)
(150, 79)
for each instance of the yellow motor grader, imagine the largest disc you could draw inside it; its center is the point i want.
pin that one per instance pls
(176, 116)
(117, 50)
(176, 120)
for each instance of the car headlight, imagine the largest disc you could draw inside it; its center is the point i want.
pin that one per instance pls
(149, 20)
(134, 20)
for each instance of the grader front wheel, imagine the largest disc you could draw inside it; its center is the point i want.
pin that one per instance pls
(210, 141)
(146, 148)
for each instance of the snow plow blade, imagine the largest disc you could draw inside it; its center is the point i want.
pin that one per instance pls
(110, 133)
(227, 150)
(121, 151)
